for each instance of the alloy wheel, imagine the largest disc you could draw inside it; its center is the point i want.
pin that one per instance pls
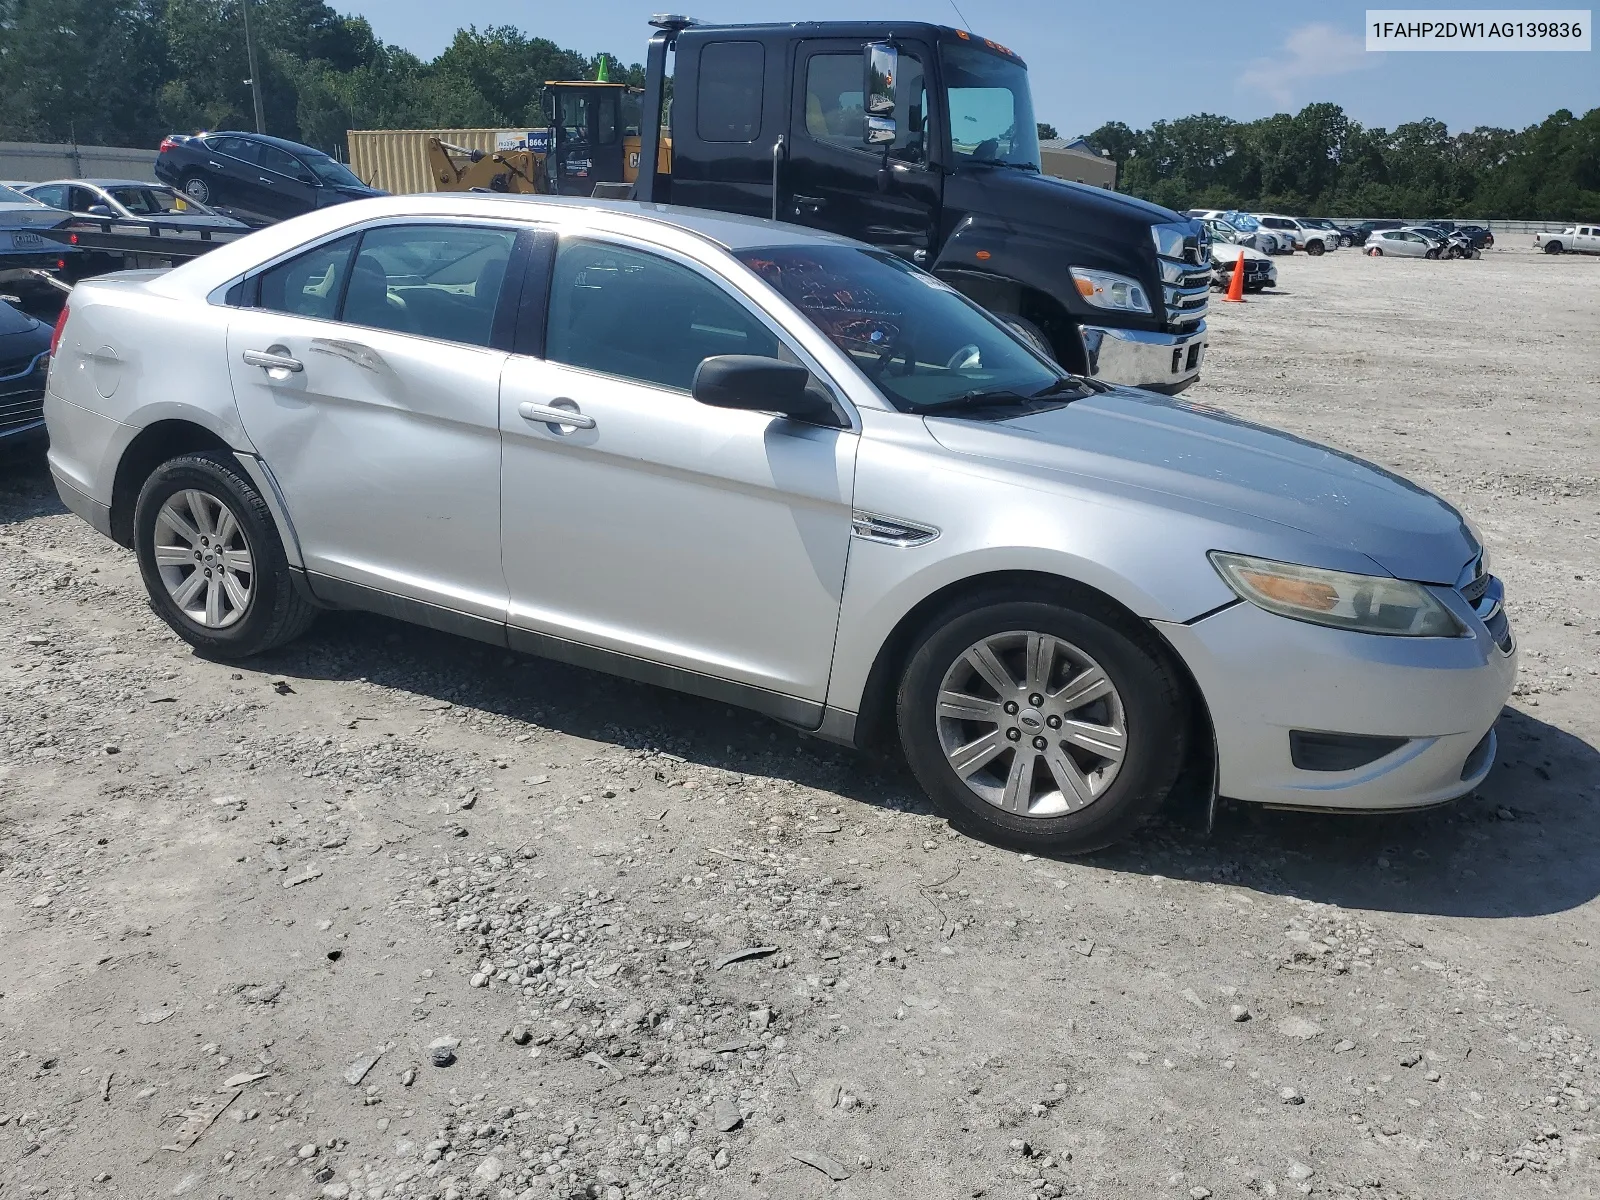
(1031, 724)
(204, 558)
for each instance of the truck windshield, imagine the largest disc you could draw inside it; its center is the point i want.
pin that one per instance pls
(926, 347)
(991, 108)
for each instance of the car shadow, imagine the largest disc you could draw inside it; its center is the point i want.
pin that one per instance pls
(25, 488)
(1526, 844)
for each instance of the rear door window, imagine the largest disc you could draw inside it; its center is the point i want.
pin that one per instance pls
(310, 284)
(435, 281)
(728, 105)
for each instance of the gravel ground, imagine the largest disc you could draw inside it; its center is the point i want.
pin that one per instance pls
(391, 914)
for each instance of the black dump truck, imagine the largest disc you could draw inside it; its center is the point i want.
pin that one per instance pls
(921, 139)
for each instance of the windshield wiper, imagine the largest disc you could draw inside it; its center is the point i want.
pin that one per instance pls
(1006, 397)
(997, 162)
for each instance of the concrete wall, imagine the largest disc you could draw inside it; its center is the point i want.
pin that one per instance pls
(36, 162)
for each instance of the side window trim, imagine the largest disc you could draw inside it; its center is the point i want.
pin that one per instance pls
(533, 303)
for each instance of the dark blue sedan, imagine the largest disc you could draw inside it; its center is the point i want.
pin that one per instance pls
(256, 177)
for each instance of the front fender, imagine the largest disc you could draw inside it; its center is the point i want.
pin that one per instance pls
(994, 518)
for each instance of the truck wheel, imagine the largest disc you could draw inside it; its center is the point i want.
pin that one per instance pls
(1036, 724)
(211, 559)
(197, 189)
(1315, 248)
(1552, 247)
(1030, 333)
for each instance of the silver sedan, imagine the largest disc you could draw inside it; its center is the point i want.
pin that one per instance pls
(786, 471)
(1403, 243)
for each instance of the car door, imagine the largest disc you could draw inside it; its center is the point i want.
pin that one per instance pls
(367, 375)
(831, 178)
(665, 533)
(227, 164)
(289, 186)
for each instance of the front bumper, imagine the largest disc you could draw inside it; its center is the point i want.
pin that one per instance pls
(1163, 362)
(1264, 676)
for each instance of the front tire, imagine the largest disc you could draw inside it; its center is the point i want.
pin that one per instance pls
(1030, 333)
(1041, 725)
(1315, 249)
(1432, 253)
(211, 559)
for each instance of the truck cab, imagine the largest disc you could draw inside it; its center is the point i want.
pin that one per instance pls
(921, 139)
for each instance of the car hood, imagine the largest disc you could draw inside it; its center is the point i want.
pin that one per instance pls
(1153, 443)
(14, 321)
(352, 192)
(1229, 252)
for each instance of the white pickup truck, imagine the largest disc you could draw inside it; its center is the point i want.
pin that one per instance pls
(1574, 239)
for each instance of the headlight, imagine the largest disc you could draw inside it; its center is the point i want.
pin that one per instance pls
(1106, 290)
(1363, 603)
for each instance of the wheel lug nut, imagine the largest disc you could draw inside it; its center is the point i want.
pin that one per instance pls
(1011, 708)
(1053, 722)
(1040, 743)
(1013, 735)
(1035, 700)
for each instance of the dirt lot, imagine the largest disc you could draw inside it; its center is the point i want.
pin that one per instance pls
(224, 891)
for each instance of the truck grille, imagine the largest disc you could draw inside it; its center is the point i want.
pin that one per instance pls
(1183, 255)
(22, 393)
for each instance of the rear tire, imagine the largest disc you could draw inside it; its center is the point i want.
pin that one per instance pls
(211, 559)
(1056, 773)
(197, 189)
(1375, 252)
(1553, 247)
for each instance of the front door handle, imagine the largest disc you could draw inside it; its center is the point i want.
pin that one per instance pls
(561, 415)
(268, 361)
(814, 203)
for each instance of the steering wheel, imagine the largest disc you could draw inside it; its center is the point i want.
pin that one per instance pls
(967, 357)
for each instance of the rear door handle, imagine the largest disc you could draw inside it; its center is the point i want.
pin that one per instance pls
(264, 179)
(269, 361)
(561, 415)
(812, 202)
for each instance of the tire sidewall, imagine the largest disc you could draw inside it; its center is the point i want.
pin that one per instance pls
(205, 189)
(218, 476)
(1152, 702)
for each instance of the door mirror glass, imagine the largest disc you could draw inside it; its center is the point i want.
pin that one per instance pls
(759, 384)
(881, 131)
(883, 68)
(98, 210)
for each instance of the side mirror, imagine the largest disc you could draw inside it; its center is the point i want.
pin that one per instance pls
(758, 384)
(880, 131)
(883, 68)
(98, 210)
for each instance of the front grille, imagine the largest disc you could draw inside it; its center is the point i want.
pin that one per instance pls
(1187, 300)
(22, 393)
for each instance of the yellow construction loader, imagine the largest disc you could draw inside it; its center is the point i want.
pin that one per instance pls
(591, 148)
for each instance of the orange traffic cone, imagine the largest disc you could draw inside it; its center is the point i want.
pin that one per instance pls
(1236, 284)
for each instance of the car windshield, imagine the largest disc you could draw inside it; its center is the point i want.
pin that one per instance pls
(157, 202)
(1242, 221)
(330, 171)
(924, 345)
(991, 108)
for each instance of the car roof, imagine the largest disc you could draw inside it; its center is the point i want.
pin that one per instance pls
(101, 183)
(731, 231)
(280, 143)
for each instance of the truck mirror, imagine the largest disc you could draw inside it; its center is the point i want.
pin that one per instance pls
(883, 68)
(880, 131)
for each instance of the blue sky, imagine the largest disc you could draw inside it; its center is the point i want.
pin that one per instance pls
(1094, 62)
